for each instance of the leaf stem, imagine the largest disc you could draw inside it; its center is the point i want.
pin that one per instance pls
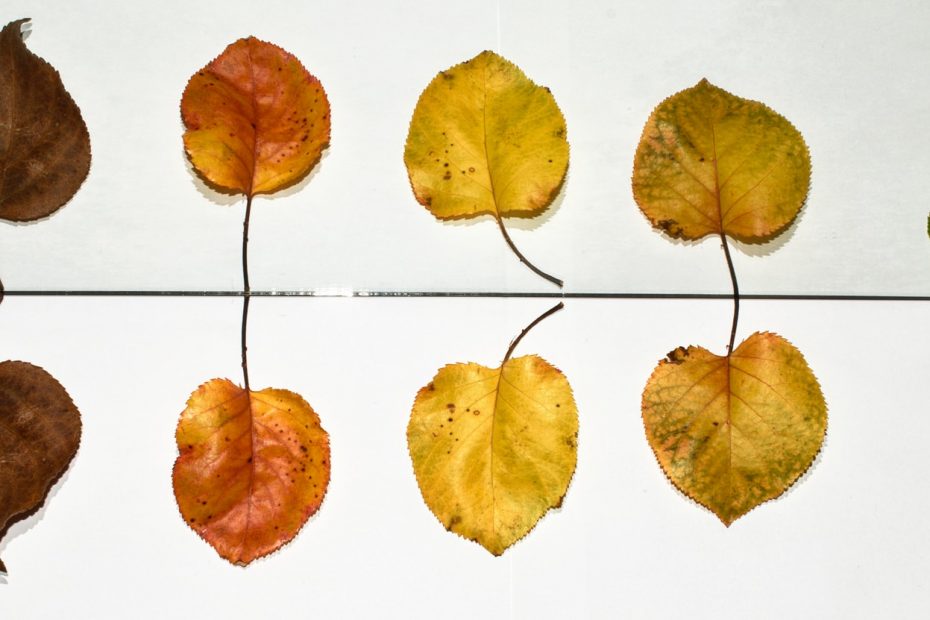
(246, 289)
(726, 252)
(523, 259)
(539, 319)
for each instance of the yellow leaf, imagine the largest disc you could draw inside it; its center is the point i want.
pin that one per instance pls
(484, 139)
(494, 448)
(709, 163)
(733, 432)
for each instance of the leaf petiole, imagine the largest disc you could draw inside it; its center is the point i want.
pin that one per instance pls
(523, 259)
(726, 252)
(539, 319)
(246, 289)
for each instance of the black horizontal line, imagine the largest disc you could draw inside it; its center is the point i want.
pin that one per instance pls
(466, 294)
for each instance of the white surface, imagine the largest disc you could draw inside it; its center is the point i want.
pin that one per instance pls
(849, 541)
(852, 76)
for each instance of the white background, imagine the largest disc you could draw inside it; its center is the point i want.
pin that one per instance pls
(850, 540)
(852, 76)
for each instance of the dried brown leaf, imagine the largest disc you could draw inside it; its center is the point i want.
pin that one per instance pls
(40, 429)
(44, 145)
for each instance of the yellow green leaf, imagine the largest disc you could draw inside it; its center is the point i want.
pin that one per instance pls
(732, 432)
(484, 139)
(493, 449)
(709, 163)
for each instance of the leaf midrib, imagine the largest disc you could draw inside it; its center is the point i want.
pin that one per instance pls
(487, 154)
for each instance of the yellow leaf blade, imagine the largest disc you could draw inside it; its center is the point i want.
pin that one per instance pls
(484, 139)
(710, 162)
(494, 449)
(732, 433)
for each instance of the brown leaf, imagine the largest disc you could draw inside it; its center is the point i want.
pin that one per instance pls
(44, 145)
(40, 429)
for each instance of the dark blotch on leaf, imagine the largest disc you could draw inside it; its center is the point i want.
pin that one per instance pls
(670, 227)
(677, 356)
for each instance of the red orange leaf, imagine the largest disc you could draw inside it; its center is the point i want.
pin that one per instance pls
(256, 120)
(253, 467)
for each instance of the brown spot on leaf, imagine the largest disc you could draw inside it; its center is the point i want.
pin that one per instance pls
(677, 356)
(670, 227)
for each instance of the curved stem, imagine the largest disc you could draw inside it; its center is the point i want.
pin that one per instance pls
(726, 252)
(539, 319)
(523, 259)
(246, 290)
